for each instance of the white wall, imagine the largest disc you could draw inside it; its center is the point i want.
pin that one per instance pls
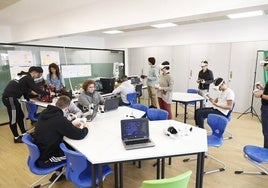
(224, 59)
(73, 41)
(5, 34)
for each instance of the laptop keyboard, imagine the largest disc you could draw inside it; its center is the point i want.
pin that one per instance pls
(137, 141)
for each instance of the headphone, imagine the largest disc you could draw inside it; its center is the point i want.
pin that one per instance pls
(170, 131)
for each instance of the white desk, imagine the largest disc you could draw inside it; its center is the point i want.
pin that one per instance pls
(185, 98)
(103, 144)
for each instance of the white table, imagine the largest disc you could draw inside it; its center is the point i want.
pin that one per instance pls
(103, 144)
(185, 98)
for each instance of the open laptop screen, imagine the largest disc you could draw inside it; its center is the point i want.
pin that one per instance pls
(134, 128)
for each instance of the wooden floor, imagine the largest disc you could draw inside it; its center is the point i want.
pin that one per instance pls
(246, 130)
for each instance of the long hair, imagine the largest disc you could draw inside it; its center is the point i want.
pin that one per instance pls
(56, 67)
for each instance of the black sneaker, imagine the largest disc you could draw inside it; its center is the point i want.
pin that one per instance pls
(18, 140)
(54, 176)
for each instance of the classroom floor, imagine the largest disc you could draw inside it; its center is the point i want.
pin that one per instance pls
(246, 130)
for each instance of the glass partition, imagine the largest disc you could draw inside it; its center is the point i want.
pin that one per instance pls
(76, 64)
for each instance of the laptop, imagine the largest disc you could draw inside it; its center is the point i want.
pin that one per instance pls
(111, 104)
(135, 133)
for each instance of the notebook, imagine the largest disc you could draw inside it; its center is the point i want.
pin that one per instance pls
(111, 104)
(135, 133)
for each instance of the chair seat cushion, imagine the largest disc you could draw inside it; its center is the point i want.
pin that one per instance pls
(256, 153)
(214, 141)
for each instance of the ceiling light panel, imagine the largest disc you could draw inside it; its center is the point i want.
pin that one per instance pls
(163, 25)
(246, 14)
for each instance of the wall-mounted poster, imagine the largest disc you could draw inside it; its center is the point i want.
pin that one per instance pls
(16, 69)
(73, 71)
(20, 58)
(48, 57)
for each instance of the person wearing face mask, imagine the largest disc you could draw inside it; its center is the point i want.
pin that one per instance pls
(50, 129)
(221, 105)
(89, 100)
(165, 88)
(205, 78)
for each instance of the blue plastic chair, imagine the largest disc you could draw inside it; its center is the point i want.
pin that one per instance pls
(192, 91)
(132, 98)
(78, 168)
(229, 117)
(32, 110)
(257, 156)
(154, 114)
(180, 181)
(141, 107)
(218, 125)
(34, 154)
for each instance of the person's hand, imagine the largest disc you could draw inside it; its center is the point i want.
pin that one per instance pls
(198, 81)
(52, 93)
(257, 94)
(202, 81)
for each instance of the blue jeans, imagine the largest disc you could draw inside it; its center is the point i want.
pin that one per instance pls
(264, 122)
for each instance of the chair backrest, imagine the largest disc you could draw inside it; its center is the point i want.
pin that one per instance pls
(76, 165)
(180, 181)
(157, 114)
(32, 109)
(138, 89)
(132, 98)
(230, 112)
(192, 91)
(34, 152)
(217, 124)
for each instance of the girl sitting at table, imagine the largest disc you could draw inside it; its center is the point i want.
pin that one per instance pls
(54, 79)
(89, 100)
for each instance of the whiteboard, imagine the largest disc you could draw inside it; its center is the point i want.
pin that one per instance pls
(72, 71)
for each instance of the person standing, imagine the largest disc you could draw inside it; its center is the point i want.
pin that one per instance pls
(50, 129)
(262, 93)
(54, 78)
(152, 80)
(125, 88)
(20, 86)
(165, 88)
(205, 78)
(221, 105)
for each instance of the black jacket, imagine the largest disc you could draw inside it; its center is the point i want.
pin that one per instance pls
(50, 129)
(22, 85)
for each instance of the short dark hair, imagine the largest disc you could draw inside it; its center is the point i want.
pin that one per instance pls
(63, 102)
(217, 81)
(165, 65)
(87, 83)
(151, 60)
(36, 69)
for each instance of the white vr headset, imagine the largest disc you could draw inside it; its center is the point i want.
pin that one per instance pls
(217, 88)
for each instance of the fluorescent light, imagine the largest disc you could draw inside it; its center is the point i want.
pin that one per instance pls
(164, 25)
(112, 32)
(246, 14)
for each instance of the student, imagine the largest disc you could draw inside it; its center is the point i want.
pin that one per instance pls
(221, 105)
(20, 86)
(54, 78)
(152, 80)
(90, 99)
(262, 93)
(125, 88)
(165, 88)
(50, 129)
(205, 78)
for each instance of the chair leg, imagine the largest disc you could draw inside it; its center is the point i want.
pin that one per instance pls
(56, 178)
(264, 171)
(228, 135)
(139, 163)
(169, 162)
(35, 184)
(218, 169)
(215, 159)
